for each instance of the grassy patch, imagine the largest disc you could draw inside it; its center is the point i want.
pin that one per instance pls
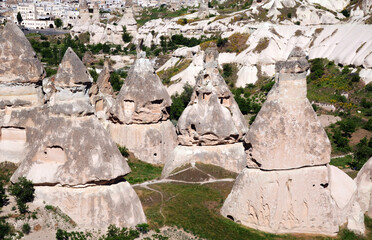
(195, 208)
(342, 162)
(261, 45)
(141, 171)
(167, 74)
(6, 171)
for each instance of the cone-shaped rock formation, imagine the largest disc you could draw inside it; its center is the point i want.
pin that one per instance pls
(364, 183)
(21, 75)
(73, 162)
(139, 116)
(288, 186)
(286, 132)
(211, 128)
(19, 63)
(212, 116)
(101, 92)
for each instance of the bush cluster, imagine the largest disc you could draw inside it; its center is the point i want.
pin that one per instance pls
(23, 191)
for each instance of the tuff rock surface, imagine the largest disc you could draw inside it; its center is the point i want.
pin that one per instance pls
(288, 186)
(72, 160)
(101, 93)
(364, 183)
(19, 63)
(21, 74)
(142, 99)
(287, 133)
(212, 118)
(139, 115)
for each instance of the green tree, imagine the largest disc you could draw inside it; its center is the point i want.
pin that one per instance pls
(19, 18)
(179, 102)
(58, 23)
(3, 197)
(126, 36)
(23, 191)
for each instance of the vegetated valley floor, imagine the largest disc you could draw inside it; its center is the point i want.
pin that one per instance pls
(191, 199)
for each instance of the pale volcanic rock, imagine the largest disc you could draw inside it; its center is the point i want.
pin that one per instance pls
(212, 116)
(364, 184)
(283, 201)
(103, 81)
(149, 142)
(101, 93)
(288, 119)
(139, 115)
(95, 206)
(71, 71)
(288, 186)
(21, 75)
(229, 156)
(142, 99)
(72, 160)
(19, 63)
(70, 94)
(211, 127)
(73, 151)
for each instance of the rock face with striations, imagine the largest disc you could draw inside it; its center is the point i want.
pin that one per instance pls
(211, 127)
(101, 93)
(139, 115)
(364, 183)
(72, 161)
(21, 75)
(288, 186)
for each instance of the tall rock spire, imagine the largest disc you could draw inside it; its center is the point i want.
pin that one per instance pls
(288, 186)
(212, 116)
(142, 99)
(211, 128)
(18, 60)
(288, 119)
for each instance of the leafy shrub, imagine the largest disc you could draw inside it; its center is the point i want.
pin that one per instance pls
(50, 72)
(341, 142)
(26, 229)
(94, 74)
(227, 70)
(116, 81)
(5, 229)
(3, 196)
(124, 151)
(115, 233)
(368, 125)
(221, 42)
(349, 125)
(346, 13)
(23, 191)
(180, 101)
(267, 87)
(64, 235)
(143, 228)
(363, 152)
(126, 36)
